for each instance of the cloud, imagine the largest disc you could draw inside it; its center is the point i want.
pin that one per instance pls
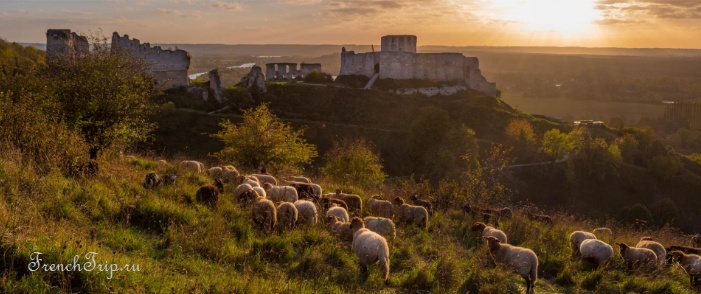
(175, 12)
(218, 4)
(114, 1)
(166, 11)
(78, 13)
(302, 2)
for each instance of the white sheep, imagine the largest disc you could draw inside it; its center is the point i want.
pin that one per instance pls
(647, 242)
(306, 212)
(339, 212)
(300, 180)
(488, 231)
(637, 256)
(262, 179)
(340, 229)
(380, 207)
(191, 165)
(317, 189)
(596, 251)
(251, 180)
(370, 248)
(260, 191)
(696, 241)
(240, 189)
(691, 263)
(522, 260)
(280, 193)
(411, 214)
(383, 226)
(229, 167)
(229, 176)
(215, 172)
(577, 237)
(287, 215)
(600, 232)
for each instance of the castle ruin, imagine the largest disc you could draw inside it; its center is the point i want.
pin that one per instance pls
(398, 60)
(169, 67)
(62, 43)
(289, 71)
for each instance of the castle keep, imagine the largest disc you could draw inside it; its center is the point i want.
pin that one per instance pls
(169, 67)
(398, 60)
(64, 43)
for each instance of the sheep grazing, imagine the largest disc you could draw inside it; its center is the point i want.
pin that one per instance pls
(229, 167)
(327, 203)
(339, 212)
(300, 180)
(505, 213)
(287, 215)
(152, 180)
(370, 248)
(409, 214)
(696, 241)
(379, 207)
(340, 229)
(215, 172)
(260, 191)
(208, 194)
(596, 251)
(229, 176)
(317, 190)
(539, 218)
(647, 242)
(253, 181)
(354, 202)
(262, 179)
(241, 190)
(263, 211)
(467, 208)
(522, 260)
(420, 202)
(192, 165)
(600, 232)
(383, 226)
(306, 211)
(280, 193)
(576, 239)
(691, 263)
(489, 231)
(637, 256)
(304, 190)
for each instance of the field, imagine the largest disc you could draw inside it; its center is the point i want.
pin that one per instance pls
(599, 110)
(182, 246)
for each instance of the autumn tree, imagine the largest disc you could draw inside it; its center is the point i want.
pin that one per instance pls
(353, 161)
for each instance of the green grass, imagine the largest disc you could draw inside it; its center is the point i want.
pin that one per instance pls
(186, 247)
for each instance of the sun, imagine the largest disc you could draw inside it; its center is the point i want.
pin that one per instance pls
(550, 15)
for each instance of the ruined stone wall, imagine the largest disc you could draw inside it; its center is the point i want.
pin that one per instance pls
(287, 71)
(405, 43)
(64, 43)
(169, 67)
(307, 68)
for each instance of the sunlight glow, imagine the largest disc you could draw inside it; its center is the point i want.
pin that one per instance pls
(564, 16)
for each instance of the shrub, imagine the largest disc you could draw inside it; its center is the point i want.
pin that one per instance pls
(353, 161)
(318, 78)
(636, 213)
(520, 136)
(665, 167)
(555, 144)
(263, 139)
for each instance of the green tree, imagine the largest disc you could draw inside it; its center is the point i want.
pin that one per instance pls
(628, 146)
(263, 139)
(666, 212)
(520, 136)
(104, 94)
(593, 159)
(665, 167)
(354, 162)
(555, 144)
(484, 179)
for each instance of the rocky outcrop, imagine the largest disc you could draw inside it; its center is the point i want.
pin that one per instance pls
(215, 84)
(255, 78)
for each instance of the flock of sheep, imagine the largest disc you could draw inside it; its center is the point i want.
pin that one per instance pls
(301, 202)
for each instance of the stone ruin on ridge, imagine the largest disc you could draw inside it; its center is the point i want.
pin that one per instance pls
(284, 71)
(169, 67)
(398, 60)
(62, 43)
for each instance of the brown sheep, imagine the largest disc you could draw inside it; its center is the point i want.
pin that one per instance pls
(304, 190)
(546, 219)
(340, 229)
(327, 203)
(354, 202)
(687, 250)
(152, 180)
(420, 202)
(409, 214)
(208, 194)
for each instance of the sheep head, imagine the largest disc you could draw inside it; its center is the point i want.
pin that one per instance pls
(331, 219)
(622, 248)
(478, 226)
(493, 242)
(398, 200)
(677, 255)
(357, 224)
(414, 197)
(339, 191)
(218, 183)
(267, 186)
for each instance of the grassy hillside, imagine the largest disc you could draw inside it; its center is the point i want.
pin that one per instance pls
(182, 246)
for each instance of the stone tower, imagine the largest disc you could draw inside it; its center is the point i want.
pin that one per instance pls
(64, 43)
(405, 43)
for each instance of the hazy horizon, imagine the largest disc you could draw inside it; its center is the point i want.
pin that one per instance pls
(669, 24)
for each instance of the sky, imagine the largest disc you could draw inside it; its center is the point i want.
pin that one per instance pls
(585, 23)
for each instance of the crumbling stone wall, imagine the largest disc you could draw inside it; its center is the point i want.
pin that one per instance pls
(401, 64)
(64, 43)
(284, 71)
(169, 67)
